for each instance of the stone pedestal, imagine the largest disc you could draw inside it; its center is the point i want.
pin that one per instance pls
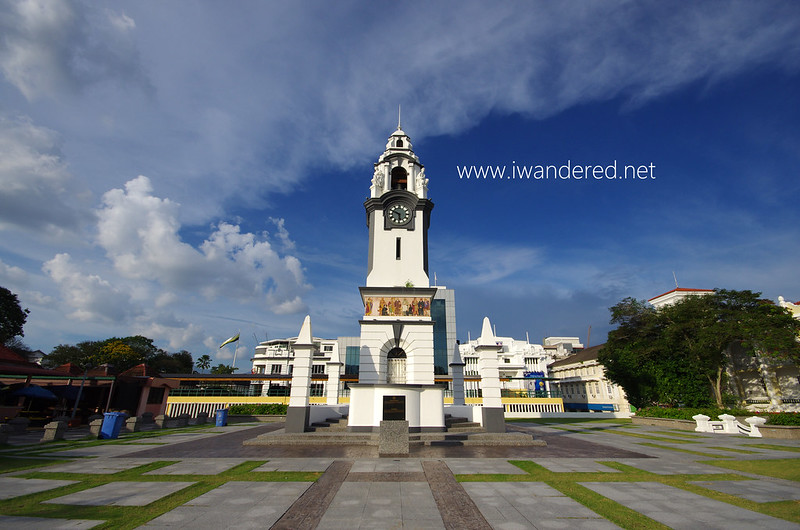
(54, 431)
(95, 426)
(132, 424)
(161, 420)
(393, 438)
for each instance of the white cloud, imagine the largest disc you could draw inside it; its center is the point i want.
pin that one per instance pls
(37, 192)
(91, 297)
(176, 332)
(10, 274)
(140, 234)
(53, 47)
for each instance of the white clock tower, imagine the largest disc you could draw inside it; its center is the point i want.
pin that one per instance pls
(396, 368)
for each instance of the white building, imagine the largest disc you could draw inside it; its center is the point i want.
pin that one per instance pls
(583, 385)
(522, 365)
(276, 357)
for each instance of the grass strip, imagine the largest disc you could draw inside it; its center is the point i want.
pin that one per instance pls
(8, 464)
(785, 468)
(734, 450)
(774, 447)
(654, 437)
(681, 450)
(548, 421)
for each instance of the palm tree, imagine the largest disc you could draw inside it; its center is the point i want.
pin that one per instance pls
(203, 362)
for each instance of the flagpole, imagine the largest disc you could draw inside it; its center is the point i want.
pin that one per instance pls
(235, 350)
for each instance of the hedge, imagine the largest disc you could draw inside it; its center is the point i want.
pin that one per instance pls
(773, 418)
(264, 408)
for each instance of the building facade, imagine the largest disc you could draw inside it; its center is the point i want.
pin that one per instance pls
(581, 381)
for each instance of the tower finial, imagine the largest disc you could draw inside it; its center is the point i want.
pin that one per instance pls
(398, 117)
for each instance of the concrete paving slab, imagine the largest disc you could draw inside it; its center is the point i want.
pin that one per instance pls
(11, 487)
(37, 523)
(383, 505)
(469, 466)
(662, 466)
(198, 466)
(574, 465)
(296, 464)
(386, 465)
(107, 450)
(530, 505)
(660, 502)
(756, 490)
(96, 466)
(243, 504)
(121, 494)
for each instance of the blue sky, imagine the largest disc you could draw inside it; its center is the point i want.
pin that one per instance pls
(187, 170)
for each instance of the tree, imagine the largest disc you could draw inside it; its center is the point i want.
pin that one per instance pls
(203, 362)
(223, 369)
(12, 316)
(121, 353)
(678, 354)
(172, 363)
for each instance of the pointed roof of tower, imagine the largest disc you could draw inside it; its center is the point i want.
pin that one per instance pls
(305, 338)
(487, 335)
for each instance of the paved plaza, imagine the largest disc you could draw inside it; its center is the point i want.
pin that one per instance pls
(590, 475)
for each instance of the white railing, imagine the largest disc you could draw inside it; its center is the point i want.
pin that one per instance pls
(729, 425)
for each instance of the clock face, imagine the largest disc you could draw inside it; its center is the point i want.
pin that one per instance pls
(399, 214)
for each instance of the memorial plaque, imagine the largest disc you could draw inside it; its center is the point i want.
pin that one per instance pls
(394, 407)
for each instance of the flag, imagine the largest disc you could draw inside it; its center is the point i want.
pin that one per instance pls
(232, 339)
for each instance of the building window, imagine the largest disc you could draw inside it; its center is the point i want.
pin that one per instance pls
(276, 369)
(155, 396)
(397, 248)
(318, 369)
(352, 354)
(327, 348)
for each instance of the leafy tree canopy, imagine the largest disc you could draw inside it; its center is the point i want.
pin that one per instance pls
(12, 316)
(223, 369)
(203, 362)
(121, 353)
(678, 354)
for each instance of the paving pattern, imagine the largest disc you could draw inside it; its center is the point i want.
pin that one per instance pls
(531, 505)
(251, 505)
(11, 487)
(756, 490)
(121, 494)
(357, 489)
(681, 509)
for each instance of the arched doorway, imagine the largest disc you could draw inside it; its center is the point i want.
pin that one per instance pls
(396, 366)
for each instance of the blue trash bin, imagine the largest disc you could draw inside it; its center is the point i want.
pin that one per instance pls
(112, 424)
(222, 417)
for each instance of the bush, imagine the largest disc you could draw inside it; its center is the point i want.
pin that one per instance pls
(687, 413)
(782, 418)
(263, 408)
(773, 418)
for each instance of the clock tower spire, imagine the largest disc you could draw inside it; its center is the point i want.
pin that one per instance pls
(398, 215)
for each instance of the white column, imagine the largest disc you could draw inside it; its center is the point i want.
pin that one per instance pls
(457, 372)
(332, 387)
(298, 411)
(487, 350)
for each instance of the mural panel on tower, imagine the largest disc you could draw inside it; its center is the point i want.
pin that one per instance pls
(397, 306)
